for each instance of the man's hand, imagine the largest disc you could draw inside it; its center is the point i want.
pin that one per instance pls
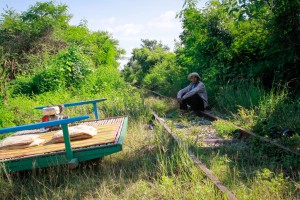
(179, 100)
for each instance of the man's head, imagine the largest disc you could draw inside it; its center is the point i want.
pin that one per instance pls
(194, 77)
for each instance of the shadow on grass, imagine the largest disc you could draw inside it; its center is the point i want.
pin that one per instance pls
(114, 172)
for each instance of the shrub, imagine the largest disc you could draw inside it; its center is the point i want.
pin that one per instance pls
(102, 79)
(72, 66)
(47, 80)
(224, 128)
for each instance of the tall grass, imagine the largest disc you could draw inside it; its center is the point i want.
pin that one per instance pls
(20, 108)
(251, 169)
(276, 109)
(245, 172)
(263, 111)
(230, 97)
(161, 106)
(149, 167)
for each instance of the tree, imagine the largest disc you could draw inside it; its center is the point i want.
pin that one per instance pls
(152, 44)
(233, 41)
(144, 59)
(19, 33)
(44, 17)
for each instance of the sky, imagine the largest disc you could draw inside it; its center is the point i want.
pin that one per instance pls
(128, 21)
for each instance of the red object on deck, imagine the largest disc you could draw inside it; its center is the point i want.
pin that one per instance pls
(46, 119)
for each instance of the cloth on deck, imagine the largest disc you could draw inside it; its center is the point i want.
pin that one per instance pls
(76, 133)
(21, 141)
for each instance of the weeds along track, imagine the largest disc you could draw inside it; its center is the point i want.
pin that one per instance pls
(199, 150)
(244, 133)
(206, 171)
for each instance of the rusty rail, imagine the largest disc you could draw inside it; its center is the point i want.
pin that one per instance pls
(207, 172)
(246, 133)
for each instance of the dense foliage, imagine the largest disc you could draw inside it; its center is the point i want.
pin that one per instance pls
(44, 60)
(231, 41)
(234, 41)
(240, 48)
(247, 53)
(153, 65)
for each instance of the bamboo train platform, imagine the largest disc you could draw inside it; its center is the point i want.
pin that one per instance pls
(108, 140)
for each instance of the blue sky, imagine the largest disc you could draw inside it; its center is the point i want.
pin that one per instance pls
(128, 21)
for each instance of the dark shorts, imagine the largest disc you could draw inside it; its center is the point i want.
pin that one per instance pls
(195, 101)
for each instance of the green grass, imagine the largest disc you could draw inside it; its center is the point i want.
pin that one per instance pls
(230, 97)
(254, 108)
(20, 108)
(247, 172)
(149, 167)
(161, 106)
(251, 169)
(224, 128)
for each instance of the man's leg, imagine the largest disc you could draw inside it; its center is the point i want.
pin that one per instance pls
(183, 105)
(196, 102)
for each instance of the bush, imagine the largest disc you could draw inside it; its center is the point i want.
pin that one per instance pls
(22, 85)
(72, 66)
(47, 80)
(165, 77)
(104, 78)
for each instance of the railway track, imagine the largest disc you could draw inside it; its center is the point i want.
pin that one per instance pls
(206, 171)
(244, 135)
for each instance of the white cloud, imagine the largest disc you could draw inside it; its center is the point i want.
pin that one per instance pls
(165, 21)
(115, 27)
(169, 15)
(128, 29)
(102, 24)
(111, 20)
(164, 27)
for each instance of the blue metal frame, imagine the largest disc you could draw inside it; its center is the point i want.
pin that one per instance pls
(42, 124)
(63, 122)
(72, 158)
(94, 102)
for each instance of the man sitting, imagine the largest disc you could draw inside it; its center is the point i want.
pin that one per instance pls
(193, 95)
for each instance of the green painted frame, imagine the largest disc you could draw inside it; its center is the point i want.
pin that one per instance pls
(61, 158)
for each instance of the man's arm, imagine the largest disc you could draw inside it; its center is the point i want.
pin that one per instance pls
(199, 88)
(182, 91)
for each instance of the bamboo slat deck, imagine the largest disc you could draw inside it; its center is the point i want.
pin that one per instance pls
(108, 132)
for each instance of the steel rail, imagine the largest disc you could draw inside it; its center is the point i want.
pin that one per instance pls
(206, 171)
(246, 133)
